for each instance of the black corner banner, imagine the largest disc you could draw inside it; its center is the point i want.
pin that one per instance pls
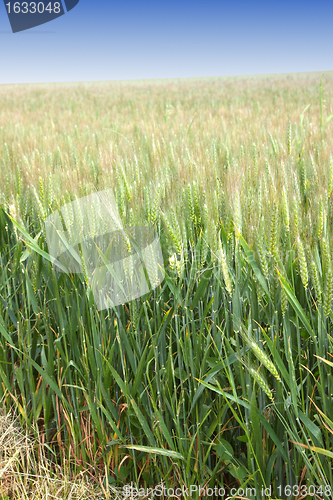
(70, 4)
(26, 15)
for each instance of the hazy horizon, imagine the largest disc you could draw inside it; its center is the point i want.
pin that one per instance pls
(105, 42)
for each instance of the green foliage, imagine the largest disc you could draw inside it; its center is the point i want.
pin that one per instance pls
(222, 374)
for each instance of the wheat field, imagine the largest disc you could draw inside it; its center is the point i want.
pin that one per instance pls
(221, 375)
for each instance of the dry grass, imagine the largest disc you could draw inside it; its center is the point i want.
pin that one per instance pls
(25, 472)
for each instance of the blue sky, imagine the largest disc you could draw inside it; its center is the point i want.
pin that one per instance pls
(105, 40)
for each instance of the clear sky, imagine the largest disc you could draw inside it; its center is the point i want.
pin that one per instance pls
(106, 40)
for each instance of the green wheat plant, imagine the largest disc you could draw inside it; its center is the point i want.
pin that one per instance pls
(221, 375)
